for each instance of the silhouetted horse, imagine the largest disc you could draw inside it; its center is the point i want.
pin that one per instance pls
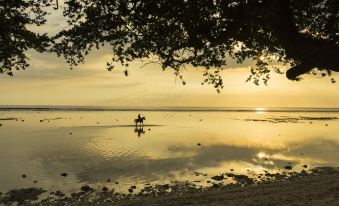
(139, 120)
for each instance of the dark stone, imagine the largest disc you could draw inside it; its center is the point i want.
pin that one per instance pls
(59, 194)
(218, 177)
(215, 185)
(64, 174)
(22, 195)
(288, 167)
(86, 188)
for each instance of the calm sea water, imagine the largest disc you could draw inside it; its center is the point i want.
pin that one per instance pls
(93, 145)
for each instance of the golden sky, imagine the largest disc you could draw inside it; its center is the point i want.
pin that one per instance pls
(48, 81)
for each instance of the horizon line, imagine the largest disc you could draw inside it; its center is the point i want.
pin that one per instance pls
(166, 108)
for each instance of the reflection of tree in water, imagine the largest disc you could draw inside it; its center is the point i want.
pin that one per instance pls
(202, 33)
(139, 130)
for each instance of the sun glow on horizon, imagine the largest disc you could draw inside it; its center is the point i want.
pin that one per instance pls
(260, 110)
(261, 155)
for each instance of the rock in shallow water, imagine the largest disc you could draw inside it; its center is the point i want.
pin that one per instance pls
(288, 167)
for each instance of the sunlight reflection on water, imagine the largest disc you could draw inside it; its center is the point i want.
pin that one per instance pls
(93, 147)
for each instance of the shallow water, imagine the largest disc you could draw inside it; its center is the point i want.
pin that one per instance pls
(93, 146)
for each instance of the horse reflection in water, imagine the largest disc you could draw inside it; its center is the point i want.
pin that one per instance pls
(140, 130)
(139, 123)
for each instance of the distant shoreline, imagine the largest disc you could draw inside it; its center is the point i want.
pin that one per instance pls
(164, 109)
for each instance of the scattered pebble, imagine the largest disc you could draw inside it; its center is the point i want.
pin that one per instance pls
(130, 190)
(64, 174)
(199, 144)
(116, 183)
(86, 188)
(104, 189)
(21, 196)
(108, 180)
(59, 194)
(218, 177)
(23, 176)
(288, 167)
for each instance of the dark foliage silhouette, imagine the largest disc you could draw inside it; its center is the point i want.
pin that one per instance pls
(203, 33)
(15, 37)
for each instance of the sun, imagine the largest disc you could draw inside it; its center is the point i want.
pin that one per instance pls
(261, 155)
(260, 110)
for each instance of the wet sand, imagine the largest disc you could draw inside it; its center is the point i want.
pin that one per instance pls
(321, 187)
